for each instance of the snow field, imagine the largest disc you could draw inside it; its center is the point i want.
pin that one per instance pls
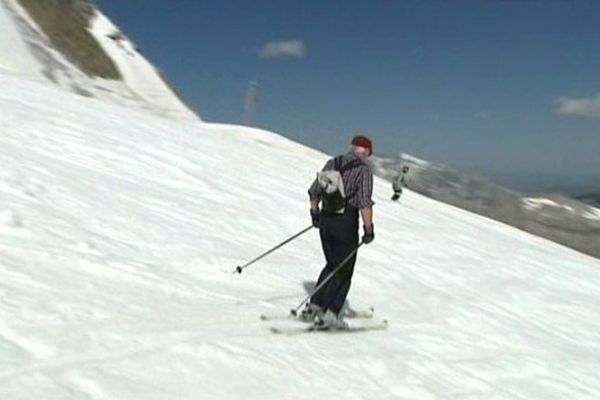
(119, 232)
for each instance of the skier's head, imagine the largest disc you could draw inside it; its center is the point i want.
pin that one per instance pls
(362, 146)
(405, 169)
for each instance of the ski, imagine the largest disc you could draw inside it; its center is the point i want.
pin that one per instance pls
(382, 325)
(368, 313)
(351, 314)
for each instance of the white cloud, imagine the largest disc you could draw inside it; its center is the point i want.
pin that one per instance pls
(584, 107)
(289, 48)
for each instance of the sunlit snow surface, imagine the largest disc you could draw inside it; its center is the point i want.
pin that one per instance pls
(119, 232)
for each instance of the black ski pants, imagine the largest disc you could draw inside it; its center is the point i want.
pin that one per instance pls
(339, 237)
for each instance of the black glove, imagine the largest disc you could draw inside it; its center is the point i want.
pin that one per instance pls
(314, 215)
(395, 197)
(369, 234)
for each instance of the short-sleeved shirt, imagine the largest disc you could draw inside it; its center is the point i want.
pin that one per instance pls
(358, 182)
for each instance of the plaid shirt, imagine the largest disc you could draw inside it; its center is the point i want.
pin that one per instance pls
(358, 183)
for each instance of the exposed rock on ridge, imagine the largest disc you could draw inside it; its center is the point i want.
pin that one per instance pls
(64, 23)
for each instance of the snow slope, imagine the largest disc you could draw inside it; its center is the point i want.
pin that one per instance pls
(26, 52)
(119, 231)
(138, 73)
(14, 53)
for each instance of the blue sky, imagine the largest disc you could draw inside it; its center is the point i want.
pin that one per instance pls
(501, 87)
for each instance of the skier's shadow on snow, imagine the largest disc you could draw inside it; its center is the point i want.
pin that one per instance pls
(309, 286)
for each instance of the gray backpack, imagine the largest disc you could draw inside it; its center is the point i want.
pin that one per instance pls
(331, 184)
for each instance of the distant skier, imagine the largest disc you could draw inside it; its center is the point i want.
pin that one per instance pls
(399, 183)
(343, 189)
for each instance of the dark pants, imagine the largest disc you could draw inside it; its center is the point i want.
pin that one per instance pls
(339, 237)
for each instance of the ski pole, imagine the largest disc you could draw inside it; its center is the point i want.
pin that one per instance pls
(239, 269)
(294, 312)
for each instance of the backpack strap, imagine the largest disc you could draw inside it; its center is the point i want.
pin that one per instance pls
(349, 166)
(337, 163)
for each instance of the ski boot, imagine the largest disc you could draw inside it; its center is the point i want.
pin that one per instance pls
(310, 312)
(330, 321)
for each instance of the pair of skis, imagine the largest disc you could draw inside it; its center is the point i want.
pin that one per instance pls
(352, 315)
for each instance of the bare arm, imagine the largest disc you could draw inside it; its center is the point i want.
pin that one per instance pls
(367, 216)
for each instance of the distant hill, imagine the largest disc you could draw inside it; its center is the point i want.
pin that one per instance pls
(567, 221)
(592, 199)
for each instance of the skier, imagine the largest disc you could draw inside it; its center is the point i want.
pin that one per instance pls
(343, 189)
(399, 183)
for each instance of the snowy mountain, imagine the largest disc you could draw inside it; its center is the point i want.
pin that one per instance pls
(552, 216)
(120, 229)
(119, 232)
(71, 44)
